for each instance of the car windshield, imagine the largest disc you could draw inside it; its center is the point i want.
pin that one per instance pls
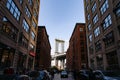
(63, 72)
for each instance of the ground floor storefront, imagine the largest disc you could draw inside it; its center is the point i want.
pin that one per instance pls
(11, 57)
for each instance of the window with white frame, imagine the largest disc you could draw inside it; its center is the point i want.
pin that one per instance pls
(109, 39)
(24, 42)
(35, 14)
(30, 2)
(12, 7)
(81, 29)
(25, 25)
(21, 1)
(34, 24)
(33, 35)
(88, 17)
(107, 22)
(27, 12)
(97, 31)
(95, 19)
(90, 38)
(87, 8)
(89, 27)
(98, 46)
(117, 10)
(94, 8)
(104, 7)
(31, 46)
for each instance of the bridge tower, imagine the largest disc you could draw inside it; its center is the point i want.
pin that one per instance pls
(59, 54)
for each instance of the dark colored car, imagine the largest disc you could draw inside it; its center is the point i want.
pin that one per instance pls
(64, 74)
(23, 77)
(84, 74)
(106, 75)
(8, 77)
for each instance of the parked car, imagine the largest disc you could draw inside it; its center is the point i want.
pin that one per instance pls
(23, 77)
(84, 74)
(48, 74)
(8, 77)
(106, 75)
(43, 75)
(64, 74)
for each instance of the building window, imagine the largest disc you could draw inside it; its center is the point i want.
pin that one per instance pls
(97, 31)
(82, 43)
(25, 26)
(21, 1)
(108, 39)
(89, 27)
(98, 46)
(33, 35)
(35, 14)
(95, 19)
(81, 36)
(31, 47)
(27, 12)
(81, 29)
(90, 38)
(24, 42)
(83, 58)
(104, 7)
(88, 17)
(87, 8)
(92, 61)
(107, 22)
(82, 49)
(30, 2)
(9, 29)
(34, 24)
(91, 50)
(112, 60)
(37, 5)
(94, 8)
(13, 9)
(117, 10)
(99, 60)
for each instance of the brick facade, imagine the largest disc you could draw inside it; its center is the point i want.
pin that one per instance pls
(43, 51)
(76, 55)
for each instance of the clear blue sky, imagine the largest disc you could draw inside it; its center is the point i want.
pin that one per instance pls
(60, 17)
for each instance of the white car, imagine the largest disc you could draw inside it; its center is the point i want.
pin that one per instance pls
(106, 75)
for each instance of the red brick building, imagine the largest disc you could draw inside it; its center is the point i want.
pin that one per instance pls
(43, 50)
(76, 56)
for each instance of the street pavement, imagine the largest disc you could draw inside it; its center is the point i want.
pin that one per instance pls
(57, 77)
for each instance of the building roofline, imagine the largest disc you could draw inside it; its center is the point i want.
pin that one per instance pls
(75, 28)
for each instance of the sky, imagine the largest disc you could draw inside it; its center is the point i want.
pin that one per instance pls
(59, 17)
